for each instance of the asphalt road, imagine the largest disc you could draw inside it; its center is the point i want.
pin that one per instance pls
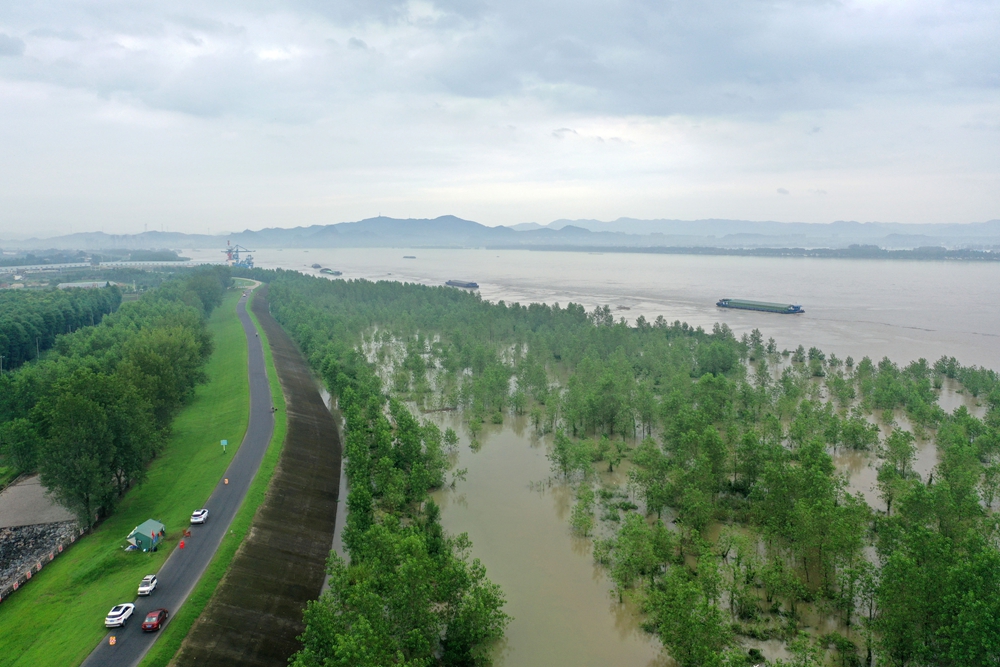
(184, 567)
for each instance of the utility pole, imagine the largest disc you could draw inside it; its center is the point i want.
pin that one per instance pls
(37, 353)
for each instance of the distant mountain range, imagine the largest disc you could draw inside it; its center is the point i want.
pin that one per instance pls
(452, 232)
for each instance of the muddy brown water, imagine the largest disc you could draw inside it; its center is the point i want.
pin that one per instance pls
(900, 309)
(564, 611)
(517, 516)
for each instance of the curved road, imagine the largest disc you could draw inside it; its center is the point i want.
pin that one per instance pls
(184, 567)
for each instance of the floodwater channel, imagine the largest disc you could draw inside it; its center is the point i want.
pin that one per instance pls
(564, 611)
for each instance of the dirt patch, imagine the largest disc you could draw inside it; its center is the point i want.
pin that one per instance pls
(26, 503)
(256, 612)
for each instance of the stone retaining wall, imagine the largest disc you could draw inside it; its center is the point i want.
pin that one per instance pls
(25, 550)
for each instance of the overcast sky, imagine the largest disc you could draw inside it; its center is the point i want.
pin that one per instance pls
(218, 116)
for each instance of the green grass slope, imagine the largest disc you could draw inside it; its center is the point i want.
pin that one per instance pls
(56, 619)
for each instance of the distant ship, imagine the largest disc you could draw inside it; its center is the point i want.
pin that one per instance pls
(783, 308)
(315, 266)
(330, 272)
(409, 256)
(462, 283)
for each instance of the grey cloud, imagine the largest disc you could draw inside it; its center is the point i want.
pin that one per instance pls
(11, 46)
(65, 35)
(740, 57)
(209, 26)
(737, 57)
(346, 11)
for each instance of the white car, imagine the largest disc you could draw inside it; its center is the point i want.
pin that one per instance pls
(119, 615)
(148, 584)
(199, 516)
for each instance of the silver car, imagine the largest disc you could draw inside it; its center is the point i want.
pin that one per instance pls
(148, 584)
(199, 516)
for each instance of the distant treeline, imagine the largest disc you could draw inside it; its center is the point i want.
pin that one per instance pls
(162, 255)
(44, 257)
(91, 415)
(70, 257)
(850, 252)
(30, 320)
(126, 277)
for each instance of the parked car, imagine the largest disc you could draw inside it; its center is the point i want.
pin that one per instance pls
(155, 620)
(199, 516)
(148, 584)
(119, 615)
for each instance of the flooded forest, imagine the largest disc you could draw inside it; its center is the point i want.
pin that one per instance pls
(744, 504)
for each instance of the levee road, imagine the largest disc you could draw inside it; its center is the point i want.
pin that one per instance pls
(181, 571)
(256, 613)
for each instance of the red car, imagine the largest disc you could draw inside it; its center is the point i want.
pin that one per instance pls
(154, 620)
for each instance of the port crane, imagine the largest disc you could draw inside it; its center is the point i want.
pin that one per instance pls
(233, 256)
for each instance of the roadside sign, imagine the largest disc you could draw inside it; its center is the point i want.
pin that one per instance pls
(224, 443)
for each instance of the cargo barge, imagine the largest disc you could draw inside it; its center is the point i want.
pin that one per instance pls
(767, 307)
(462, 283)
(330, 272)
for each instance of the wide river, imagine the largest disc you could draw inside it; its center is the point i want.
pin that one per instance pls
(900, 309)
(564, 612)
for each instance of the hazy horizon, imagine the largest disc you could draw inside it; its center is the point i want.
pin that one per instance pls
(224, 117)
(553, 224)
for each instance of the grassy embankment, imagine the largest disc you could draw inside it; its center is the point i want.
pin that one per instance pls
(173, 635)
(7, 475)
(57, 618)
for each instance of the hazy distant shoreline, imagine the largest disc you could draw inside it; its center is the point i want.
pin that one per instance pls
(854, 252)
(962, 241)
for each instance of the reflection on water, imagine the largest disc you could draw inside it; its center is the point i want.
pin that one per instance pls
(952, 397)
(862, 475)
(564, 611)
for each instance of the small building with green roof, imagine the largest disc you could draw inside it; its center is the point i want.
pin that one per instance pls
(146, 535)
